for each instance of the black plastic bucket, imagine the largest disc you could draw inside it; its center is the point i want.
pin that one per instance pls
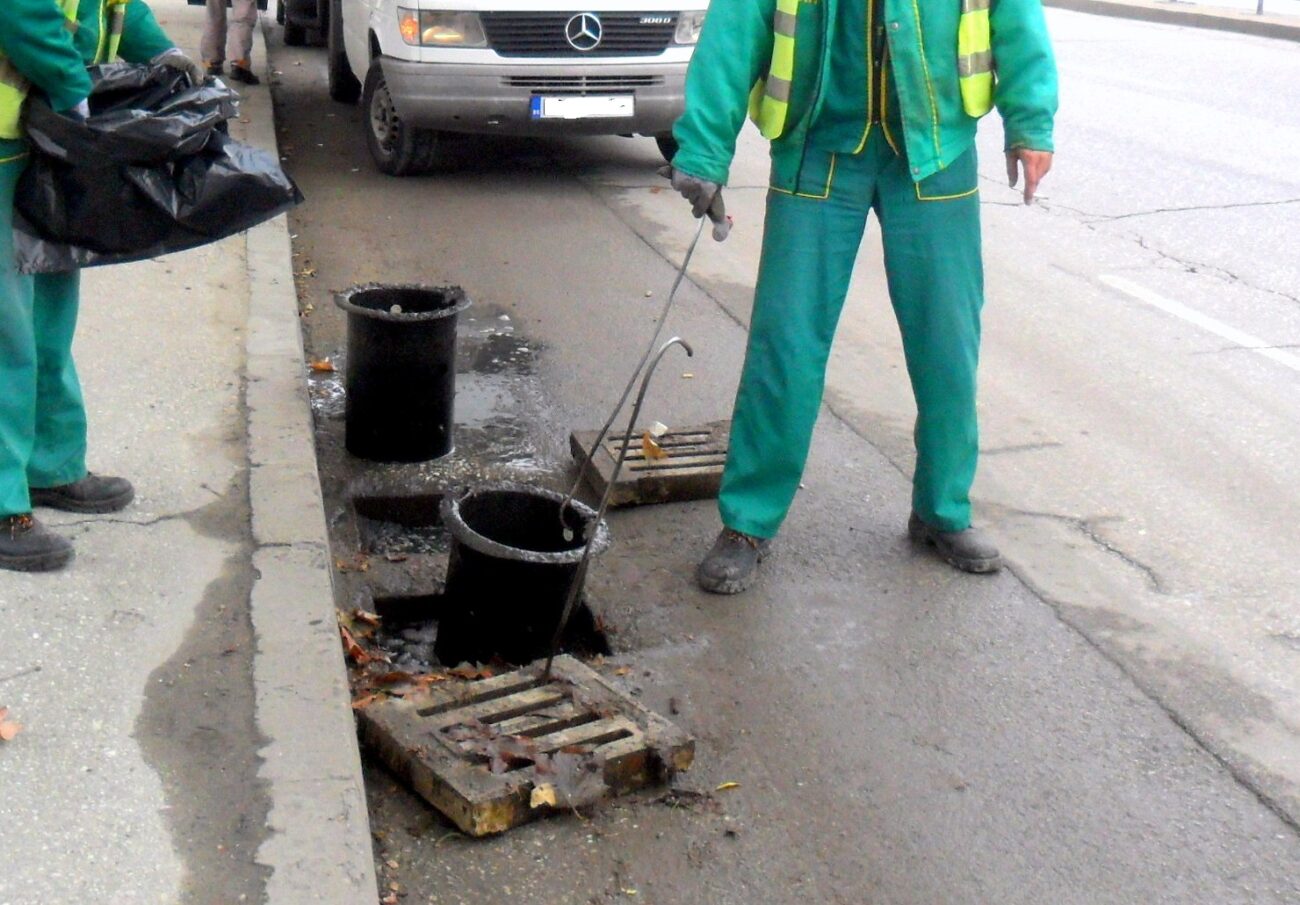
(510, 570)
(401, 370)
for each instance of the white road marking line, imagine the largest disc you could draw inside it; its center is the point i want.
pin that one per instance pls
(1217, 327)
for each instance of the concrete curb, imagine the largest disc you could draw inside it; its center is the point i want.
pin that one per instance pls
(1173, 13)
(319, 847)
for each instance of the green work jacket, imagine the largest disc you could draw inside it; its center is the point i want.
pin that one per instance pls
(735, 50)
(35, 38)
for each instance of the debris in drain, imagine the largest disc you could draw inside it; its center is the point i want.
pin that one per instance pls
(492, 753)
(661, 467)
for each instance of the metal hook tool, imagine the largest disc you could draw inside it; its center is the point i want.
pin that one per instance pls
(580, 575)
(636, 373)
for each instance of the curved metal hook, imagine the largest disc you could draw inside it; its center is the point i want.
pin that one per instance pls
(580, 574)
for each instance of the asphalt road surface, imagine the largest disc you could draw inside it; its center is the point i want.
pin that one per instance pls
(1115, 719)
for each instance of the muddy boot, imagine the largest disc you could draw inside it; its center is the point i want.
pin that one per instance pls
(93, 493)
(730, 566)
(969, 550)
(27, 546)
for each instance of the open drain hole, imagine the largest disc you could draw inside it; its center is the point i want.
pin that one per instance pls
(408, 634)
(401, 525)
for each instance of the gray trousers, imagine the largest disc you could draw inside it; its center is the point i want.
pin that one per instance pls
(243, 20)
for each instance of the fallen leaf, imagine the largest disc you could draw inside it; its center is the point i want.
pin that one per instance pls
(651, 448)
(727, 787)
(364, 701)
(368, 618)
(390, 899)
(355, 651)
(357, 563)
(321, 365)
(392, 864)
(8, 729)
(543, 795)
(622, 670)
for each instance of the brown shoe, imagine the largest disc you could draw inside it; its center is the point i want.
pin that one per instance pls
(93, 493)
(27, 546)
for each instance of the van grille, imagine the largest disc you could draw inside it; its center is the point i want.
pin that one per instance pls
(529, 34)
(582, 84)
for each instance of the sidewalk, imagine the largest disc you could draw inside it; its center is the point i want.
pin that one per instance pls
(186, 729)
(1174, 12)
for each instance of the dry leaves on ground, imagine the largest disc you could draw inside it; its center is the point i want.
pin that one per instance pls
(8, 728)
(321, 365)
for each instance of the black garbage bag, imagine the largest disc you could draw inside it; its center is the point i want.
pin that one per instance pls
(150, 171)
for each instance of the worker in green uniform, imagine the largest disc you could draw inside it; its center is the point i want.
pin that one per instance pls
(871, 105)
(46, 45)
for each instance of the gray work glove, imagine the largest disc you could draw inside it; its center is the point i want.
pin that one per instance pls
(705, 198)
(80, 112)
(176, 59)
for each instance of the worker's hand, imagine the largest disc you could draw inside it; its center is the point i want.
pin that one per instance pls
(705, 198)
(1035, 164)
(176, 59)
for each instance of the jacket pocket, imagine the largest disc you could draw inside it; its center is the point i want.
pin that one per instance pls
(802, 171)
(960, 179)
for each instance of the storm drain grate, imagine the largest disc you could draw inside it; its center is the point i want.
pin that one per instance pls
(690, 470)
(495, 753)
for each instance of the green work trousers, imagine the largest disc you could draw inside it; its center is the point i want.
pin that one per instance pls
(931, 236)
(42, 417)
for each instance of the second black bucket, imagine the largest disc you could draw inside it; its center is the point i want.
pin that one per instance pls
(510, 570)
(401, 370)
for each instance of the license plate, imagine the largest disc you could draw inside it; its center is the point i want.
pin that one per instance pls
(581, 107)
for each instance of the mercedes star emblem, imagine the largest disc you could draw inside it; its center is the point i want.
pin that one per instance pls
(583, 31)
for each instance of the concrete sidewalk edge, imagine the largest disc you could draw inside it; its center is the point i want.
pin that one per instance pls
(319, 846)
(1172, 13)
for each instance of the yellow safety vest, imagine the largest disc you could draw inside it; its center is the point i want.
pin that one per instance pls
(769, 102)
(14, 85)
(975, 57)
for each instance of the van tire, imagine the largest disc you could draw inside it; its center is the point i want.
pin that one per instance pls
(667, 145)
(397, 148)
(295, 35)
(343, 85)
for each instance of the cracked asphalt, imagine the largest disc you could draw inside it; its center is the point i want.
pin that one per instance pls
(1115, 720)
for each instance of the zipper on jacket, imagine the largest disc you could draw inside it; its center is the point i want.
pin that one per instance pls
(871, 63)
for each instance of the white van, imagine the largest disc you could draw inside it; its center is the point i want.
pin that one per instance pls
(510, 67)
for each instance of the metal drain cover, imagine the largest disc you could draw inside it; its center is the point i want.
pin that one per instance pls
(692, 470)
(495, 753)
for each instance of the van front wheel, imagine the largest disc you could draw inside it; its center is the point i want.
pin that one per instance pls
(398, 149)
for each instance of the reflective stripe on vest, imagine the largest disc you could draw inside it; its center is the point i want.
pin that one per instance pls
(975, 58)
(110, 31)
(769, 102)
(14, 85)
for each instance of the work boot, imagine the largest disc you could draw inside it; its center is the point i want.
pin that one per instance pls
(239, 72)
(730, 566)
(93, 493)
(27, 546)
(215, 69)
(969, 550)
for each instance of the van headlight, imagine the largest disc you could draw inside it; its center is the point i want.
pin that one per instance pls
(688, 27)
(441, 29)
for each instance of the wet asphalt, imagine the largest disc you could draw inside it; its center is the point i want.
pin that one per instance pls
(899, 733)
